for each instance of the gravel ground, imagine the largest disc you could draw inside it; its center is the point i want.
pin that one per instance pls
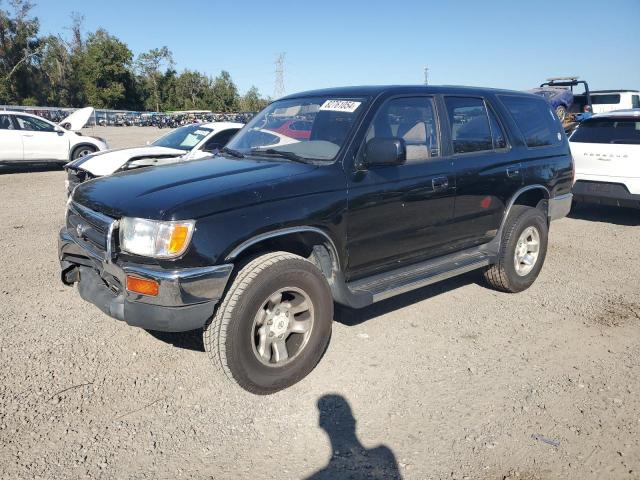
(452, 381)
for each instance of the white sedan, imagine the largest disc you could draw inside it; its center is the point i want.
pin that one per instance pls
(26, 138)
(190, 142)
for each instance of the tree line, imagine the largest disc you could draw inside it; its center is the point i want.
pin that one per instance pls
(100, 70)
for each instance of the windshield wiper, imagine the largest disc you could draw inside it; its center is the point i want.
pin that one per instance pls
(282, 153)
(232, 152)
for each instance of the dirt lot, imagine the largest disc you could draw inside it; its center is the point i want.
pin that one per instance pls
(455, 380)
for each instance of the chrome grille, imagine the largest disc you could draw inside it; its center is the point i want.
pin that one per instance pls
(92, 230)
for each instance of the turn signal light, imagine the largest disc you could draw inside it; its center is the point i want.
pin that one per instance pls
(178, 239)
(142, 286)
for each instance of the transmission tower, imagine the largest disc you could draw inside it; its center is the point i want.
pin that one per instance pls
(278, 89)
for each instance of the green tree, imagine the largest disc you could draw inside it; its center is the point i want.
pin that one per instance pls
(224, 93)
(20, 48)
(195, 90)
(55, 73)
(149, 65)
(252, 101)
(106, 71)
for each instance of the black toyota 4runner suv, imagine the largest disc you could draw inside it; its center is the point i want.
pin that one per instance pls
(387, 190)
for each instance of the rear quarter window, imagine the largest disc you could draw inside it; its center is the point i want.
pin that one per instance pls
(534, 118)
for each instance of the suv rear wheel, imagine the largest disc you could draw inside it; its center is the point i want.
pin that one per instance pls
(522, 251)
(273, 325)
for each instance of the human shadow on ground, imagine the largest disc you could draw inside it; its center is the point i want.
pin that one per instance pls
(349, 458)
(605, 214)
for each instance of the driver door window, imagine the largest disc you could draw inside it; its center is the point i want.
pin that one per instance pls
(33, 124)
(412, 119)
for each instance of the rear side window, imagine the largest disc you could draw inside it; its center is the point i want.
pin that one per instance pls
(613, 98)
(470, 130)
(635, 101)
(535, 119)
(608, 130)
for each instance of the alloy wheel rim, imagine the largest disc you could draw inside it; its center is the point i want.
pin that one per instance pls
(84, 152)
(282, 326)
(527, 251)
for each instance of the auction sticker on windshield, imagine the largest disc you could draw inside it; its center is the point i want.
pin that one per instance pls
(348, 106)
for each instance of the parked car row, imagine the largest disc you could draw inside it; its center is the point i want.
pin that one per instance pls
(387, 189)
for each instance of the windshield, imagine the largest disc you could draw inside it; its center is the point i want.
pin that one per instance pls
(183, 138)
(311, 128)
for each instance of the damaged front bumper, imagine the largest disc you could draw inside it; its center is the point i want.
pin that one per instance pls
(186, 297)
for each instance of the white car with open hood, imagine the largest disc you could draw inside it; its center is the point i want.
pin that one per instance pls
(606, 151)
(27, 138)
(190, 142)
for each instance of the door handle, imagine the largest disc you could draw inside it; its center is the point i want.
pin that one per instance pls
(27, 135)
(440, 183)
(513, 171)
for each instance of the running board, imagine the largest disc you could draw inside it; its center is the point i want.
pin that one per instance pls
(405, 279)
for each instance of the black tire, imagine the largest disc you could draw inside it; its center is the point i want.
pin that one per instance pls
(502, 275)
(230, 336)
(83, 150)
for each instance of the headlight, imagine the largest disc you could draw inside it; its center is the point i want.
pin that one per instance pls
(152, 238)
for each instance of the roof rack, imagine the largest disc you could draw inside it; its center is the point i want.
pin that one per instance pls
(563, 79)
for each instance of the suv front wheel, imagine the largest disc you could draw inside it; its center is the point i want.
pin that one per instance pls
(273, 325)
(522, 250)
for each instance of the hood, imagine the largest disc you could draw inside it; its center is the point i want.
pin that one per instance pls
(77, 120)
(189, 190)
(110, 161)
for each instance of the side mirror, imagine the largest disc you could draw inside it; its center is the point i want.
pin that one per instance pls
(385, 151)
(58, 129)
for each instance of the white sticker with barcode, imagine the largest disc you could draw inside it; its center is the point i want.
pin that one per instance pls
(348, 106)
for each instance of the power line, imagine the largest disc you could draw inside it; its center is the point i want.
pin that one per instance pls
(278, 89)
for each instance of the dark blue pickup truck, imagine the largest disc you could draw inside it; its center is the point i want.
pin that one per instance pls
(390, 189)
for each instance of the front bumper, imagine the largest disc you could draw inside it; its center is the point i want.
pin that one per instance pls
(605, 193)
(186, 300)
(560, 206)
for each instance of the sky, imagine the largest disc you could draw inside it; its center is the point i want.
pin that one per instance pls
(513, 44)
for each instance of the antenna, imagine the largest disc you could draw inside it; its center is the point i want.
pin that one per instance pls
(278, 89)
(426, 76)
